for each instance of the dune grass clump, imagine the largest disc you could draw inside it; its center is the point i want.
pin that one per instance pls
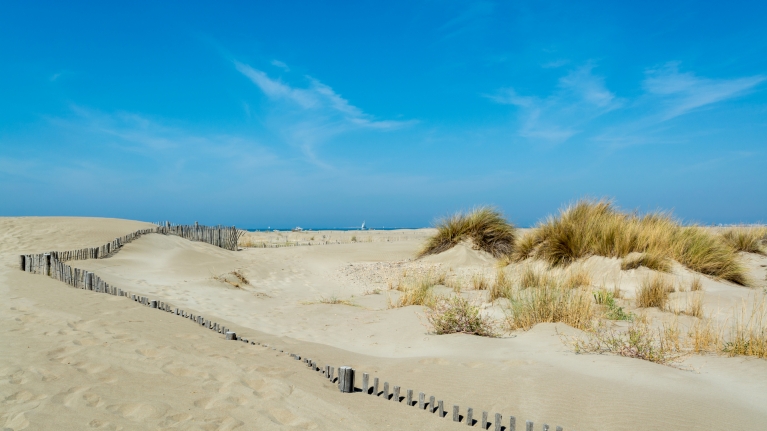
(749, 240)
(457, 315)
(550, 304)
(648, 260)
(502, 286)
(748, 332)
(653, 291)
(416, 291)
(597, 228)
(484, 226)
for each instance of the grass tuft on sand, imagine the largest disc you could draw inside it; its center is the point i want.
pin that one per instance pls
(749, 240)
(484, 226)
(654, 291)
(457, 315)
(595, 227)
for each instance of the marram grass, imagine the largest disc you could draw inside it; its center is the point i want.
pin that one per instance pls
(484, 226)
(597, 228)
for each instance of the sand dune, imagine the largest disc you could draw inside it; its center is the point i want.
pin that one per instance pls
(78, 359)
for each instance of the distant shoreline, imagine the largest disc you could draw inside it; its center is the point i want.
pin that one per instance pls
(345, 229)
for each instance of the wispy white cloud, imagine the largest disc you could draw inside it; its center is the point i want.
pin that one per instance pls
(317, 96)
(281, 65)
(684, 92)
(308, 117)
(580, 96)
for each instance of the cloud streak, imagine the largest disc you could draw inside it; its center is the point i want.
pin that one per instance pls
(580, 97)
(684, 92)
(309, 117)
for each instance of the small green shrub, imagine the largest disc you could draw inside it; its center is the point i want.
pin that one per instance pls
(457, 315)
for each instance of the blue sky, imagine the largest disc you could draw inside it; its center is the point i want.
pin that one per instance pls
(327, 114)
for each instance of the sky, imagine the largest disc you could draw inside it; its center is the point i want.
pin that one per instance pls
(327, 114)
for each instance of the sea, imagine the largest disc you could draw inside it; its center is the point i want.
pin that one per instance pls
(270, 229)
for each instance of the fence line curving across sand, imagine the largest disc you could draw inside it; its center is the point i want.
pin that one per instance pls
(53, 265)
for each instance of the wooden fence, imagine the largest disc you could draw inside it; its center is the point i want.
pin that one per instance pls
(220, 236)
(52, 265)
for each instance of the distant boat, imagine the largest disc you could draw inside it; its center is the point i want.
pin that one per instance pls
(363, 226)
(297, 229)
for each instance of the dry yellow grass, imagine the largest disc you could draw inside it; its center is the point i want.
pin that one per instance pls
(748, 332)
(416, 291)
(484, 226)
(550, 304)
(696, 285)
(595, 227)
(746, 239)
(648, 260)
(577, 277)
(479, 282)
(653, 291)
(502, 286)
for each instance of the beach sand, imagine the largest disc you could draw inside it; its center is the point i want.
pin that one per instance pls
(74, 359)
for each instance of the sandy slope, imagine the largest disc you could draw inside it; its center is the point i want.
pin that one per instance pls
(139, 366)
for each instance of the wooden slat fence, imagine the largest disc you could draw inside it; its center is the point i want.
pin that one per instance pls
(53, 264)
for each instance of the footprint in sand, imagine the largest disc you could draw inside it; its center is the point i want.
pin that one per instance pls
(286, 417)
(86, 342)
(92, 400)
(435, 361)
(17, 378)
(149, 353)
(98, 424)
(208, 403)
(138, 411)
(16, 422)
(24, 396)
(223, 424)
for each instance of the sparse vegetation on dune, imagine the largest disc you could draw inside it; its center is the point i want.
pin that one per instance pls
(485, 227)
(596, 227)
(417, 291)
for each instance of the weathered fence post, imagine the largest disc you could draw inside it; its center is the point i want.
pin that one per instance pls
(528, 426)
(21, 262)
(231, 335)
(421, 400)
(395, 394)
(346, 379)
(484, 420)
(375, 386)
(153, 304)
(47, 264)
(365, 382)
(456, 416)
(409, 397)
(469, 418)
(498, 420)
